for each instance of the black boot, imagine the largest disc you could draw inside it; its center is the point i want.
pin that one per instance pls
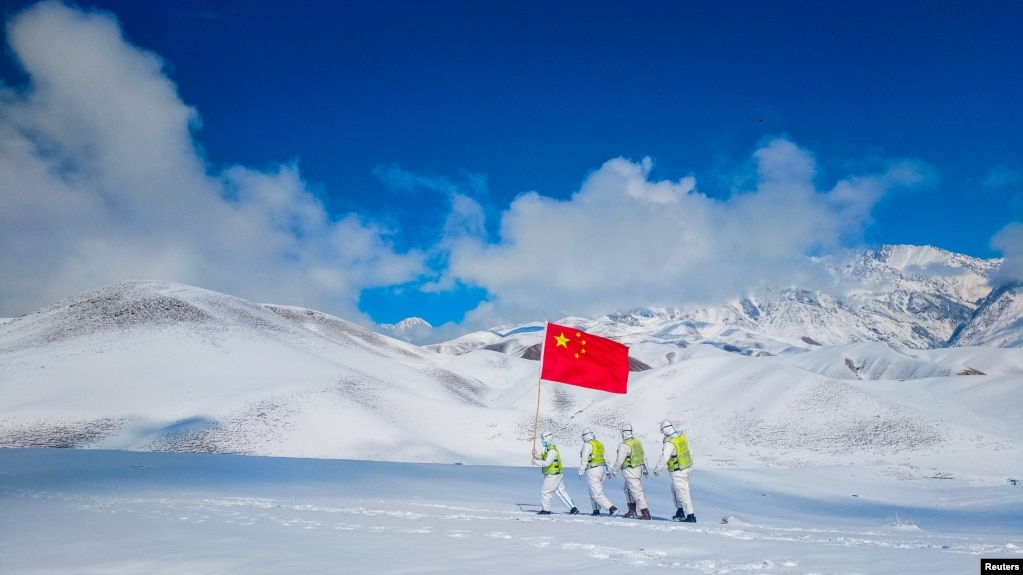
(543, 512)
(690, 518)
(680, 515)
(611, 512)
(596, 513)
(574, 511)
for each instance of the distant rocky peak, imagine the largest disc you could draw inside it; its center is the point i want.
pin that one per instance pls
(410, 323)
(406, 329)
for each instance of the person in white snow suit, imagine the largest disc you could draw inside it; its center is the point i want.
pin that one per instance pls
(676, 457)
(593, 467)
(553, 476)
(632, 464)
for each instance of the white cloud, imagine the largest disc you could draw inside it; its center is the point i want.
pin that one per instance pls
(103, 182)
(626, 240)
(1010, 242)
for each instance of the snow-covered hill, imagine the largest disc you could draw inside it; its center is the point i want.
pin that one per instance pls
(161, 366)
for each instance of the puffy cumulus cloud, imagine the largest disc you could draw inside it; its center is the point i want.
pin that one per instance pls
(1009, 240)
(625, 239)
(102, 182)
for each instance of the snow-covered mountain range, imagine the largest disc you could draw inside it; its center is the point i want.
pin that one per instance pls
(781, 380)
(907, 296)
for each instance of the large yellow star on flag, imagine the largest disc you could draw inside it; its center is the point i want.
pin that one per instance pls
(562, 340)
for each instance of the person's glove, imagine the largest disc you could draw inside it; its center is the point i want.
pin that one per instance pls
(646, 473)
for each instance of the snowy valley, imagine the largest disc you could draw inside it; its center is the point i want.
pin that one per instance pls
(832, 433)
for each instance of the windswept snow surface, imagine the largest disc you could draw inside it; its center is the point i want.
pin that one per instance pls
(855, 458)
(115, 512)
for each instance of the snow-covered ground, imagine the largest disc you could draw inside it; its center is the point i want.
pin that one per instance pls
(330, 448)
(116, 512)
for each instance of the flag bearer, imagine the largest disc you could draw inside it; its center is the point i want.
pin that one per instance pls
(553, 476)
(593, 466)
(676, 457)
(632, 464)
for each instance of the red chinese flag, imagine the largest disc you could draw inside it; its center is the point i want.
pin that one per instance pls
(575, 357)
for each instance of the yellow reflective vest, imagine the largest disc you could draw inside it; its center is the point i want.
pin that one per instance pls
(682, 458)
(635, 458)
(596, 455)
(554, 468)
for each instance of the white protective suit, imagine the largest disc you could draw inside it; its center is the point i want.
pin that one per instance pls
(552, 484)
(632, 475)
(594, 478)
(679, 480)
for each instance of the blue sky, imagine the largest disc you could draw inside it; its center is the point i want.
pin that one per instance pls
(482, 163)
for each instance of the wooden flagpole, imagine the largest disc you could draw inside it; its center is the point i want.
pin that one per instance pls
(536, 420)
